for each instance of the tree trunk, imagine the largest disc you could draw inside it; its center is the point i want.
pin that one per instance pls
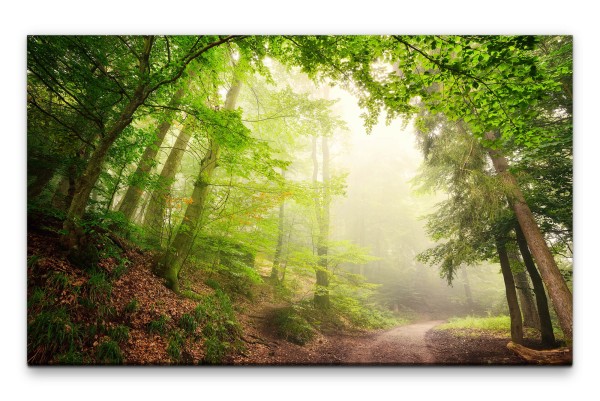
(321, 297)
(279, 247)
(178, 251)
(467, 287)
(560, 295)
(154, 216)
(538, 289)
(528, 309)
(516, 323)
(135, 190)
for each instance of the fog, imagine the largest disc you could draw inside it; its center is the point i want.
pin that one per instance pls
(382, 212)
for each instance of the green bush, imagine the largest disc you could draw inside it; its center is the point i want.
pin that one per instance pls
(363, 315)
(119, 333)
(292, 326)
(109, 353)
(159, 325)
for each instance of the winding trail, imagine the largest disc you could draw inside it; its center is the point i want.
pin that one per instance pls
(400, 345)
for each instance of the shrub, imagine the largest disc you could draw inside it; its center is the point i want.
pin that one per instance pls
(109, 353)
(292, 326)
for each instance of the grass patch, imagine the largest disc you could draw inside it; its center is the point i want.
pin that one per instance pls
(52, 332)
(188, 323)
(176, 342)
(109, 353)
(119, 333)
(159, 325)
(498, 324)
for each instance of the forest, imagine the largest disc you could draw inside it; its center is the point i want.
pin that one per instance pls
(314, 200)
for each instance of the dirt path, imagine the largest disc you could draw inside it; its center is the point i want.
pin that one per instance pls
(400, 345)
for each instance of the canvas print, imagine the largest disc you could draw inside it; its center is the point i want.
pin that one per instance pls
(299, 200)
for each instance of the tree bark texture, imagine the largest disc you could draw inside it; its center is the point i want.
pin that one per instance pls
(135, 191)
(154, 216)
(516, 323)
(558, 291)
(538, 289)
(178, 251)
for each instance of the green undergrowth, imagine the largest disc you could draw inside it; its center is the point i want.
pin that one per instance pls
(499, 324)
(221, 331)
(492, 325)
(292, 326)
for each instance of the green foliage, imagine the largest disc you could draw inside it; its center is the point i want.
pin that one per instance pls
(119, 333)
(212, 283)
(70, 357)
(176, 342)
(292, 326)
(53, 332)
(188, 323)
(220, 328)
(492, 323)
(132, 306)
(109, 353)
(37, 298)
(159, 325)
(363, 315)
(58, 280)
(99, 288)
(32, 261)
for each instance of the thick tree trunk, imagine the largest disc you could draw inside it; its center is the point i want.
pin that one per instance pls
(178, 251)
(135, 190)
(538, 289)
(516, 323)
(558, 291)
(88, 179)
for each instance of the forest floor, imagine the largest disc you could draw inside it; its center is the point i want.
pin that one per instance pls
(414, 344)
